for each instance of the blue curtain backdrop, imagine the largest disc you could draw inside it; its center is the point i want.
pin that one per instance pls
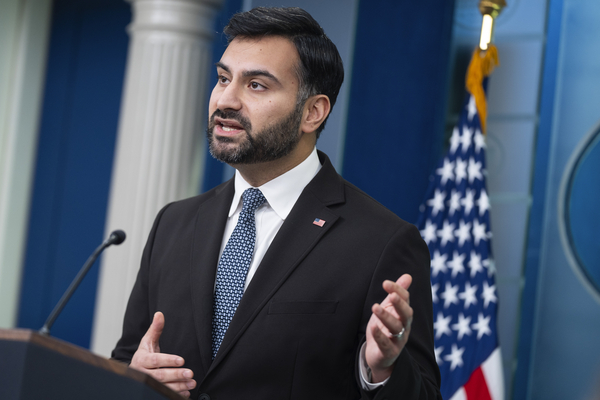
(397, 108)
(213, 169)
(86, 66)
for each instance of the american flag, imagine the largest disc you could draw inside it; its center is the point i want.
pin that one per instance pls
(319, 222)
(455, 223)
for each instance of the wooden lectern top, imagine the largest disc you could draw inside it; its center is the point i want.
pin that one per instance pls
(77, 353)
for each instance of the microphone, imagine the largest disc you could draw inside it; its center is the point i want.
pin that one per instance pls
(116, 237)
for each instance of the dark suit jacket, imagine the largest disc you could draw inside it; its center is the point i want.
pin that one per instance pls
(302, 319)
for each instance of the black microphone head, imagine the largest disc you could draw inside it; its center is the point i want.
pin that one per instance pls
(117, 237)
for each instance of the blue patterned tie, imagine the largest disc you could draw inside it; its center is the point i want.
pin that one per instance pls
(233, 267)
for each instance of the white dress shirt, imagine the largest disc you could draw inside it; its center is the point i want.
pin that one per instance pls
(281, 194)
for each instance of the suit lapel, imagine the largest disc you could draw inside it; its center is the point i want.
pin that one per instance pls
(208, 234)
(295, 239)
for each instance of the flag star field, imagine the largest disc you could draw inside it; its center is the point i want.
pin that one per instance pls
(455, 223)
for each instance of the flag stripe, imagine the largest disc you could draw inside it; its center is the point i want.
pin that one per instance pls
(476, 388)
(459, 395)
(492, 369)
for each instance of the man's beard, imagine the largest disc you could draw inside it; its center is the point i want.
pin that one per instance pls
(272, 143)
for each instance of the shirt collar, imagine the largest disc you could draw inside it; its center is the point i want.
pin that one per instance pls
(282, 192)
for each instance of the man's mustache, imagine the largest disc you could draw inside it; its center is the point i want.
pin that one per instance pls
(232, 115)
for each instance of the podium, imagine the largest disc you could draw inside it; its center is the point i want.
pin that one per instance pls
(33, 366)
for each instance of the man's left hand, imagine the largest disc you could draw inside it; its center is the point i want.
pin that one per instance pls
(391, 317)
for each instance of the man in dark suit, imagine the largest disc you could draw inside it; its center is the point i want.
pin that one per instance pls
(334, 299)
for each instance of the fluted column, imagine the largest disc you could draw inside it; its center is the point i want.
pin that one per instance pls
(24, 32)
(160, 140)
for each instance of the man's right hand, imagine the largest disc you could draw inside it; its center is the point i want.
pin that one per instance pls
(165, 368)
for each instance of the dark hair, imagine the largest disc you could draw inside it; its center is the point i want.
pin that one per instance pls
(320, 71)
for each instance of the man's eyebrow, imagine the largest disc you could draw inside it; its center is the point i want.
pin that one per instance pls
(249, 73)
(261, 72)
(219, 64)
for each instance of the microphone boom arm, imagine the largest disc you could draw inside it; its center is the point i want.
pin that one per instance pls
(116, 237)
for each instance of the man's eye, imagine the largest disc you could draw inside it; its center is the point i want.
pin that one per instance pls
(256, 86)
(222, 79)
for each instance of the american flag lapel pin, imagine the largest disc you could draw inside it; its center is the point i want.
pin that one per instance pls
(319, 222)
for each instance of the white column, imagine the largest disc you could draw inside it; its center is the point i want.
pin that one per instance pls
(160, 141)
(24, 31)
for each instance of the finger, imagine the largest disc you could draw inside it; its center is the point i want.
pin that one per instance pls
(406, 315)
(159, 360)
(391, 322)
(150, 339)
(173, 376)
(405, 281)
(400, 309)
(393, 304)
(181, 386)
(387, 348)
(400, 286)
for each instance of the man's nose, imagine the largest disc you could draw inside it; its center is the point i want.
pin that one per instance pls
(229, 98)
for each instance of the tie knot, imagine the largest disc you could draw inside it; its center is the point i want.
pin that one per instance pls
(252, 198)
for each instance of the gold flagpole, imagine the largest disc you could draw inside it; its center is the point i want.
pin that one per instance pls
(489, 9)
(484, 58)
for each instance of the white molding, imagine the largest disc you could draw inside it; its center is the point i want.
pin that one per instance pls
(561, 216)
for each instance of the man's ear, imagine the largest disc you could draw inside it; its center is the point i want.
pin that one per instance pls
(316, 109)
